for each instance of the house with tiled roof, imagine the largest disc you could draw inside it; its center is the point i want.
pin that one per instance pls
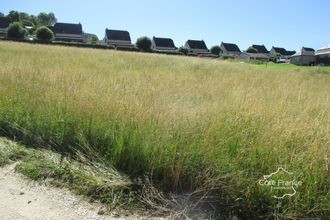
(68, 32)
(4, 24)
(163, 45)
(197, 47)
(304, 57)
(230, 49)
(117, 38)
(323, 55)
(282, 53)
(258, 52)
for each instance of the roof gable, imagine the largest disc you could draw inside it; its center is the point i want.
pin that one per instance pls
(163, 42)
(118, 35)
(260, 48)
(4, 22)
(308, 49)
(290, 52)
(67, 28)
(280, 50)
(231, 47)
(197, 44)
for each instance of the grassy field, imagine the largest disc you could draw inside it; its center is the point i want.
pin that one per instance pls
(189, 124)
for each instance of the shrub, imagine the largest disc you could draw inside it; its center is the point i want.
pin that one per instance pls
(44, 34)
(183, 50)
(143, 43)
(252, 50)
(227, 57)
(16, 31)
(216, 50)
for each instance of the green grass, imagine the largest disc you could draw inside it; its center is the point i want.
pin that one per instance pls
(186, 123)
(83, 177)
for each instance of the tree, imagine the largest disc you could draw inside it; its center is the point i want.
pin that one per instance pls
(215, 50)
(92, 39)
(45, 19)
(13, 16)
(43, 33)
(1, 14)
(23, 16)
(252, 50)
(33, 19)
(143, 43)
(16, 31)
(183, 50)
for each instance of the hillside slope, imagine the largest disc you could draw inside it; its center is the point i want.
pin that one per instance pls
(188, 124)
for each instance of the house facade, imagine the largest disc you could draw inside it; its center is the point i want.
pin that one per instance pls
(197, 47)
(282, 52)
(117, 38)
(4, 24)
(260, 52)
(304, 57)
(230, 49)
(68, 32)
(323, 56)
(163, 45)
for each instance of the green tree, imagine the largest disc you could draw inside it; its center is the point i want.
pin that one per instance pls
(43, 33)
(13, 16)
(215, 50)
(16, 31)
(45, 19)
(1, 14)
(23, 16)
(252, 50)
(92, 39)
(33, 19)
(143, 43)
(183, 50)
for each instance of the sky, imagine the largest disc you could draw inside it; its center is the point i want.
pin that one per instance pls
(283, 23)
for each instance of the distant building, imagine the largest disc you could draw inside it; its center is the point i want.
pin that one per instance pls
(229, 49)
(260, 53)
(163, 45)
(117, 38)
(304, 57)
(68, 32)
(323, 56)
(4, 24)
(284, 54)
(197, 47)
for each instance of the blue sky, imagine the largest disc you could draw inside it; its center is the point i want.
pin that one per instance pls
(285, 23)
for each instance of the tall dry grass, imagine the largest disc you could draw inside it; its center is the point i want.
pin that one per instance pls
(188, 123)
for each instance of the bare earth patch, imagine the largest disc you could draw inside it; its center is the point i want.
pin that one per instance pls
(23, 199)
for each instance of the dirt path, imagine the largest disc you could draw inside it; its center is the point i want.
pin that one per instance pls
(23, 199)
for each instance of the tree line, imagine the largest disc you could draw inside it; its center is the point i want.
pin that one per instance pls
(22, 24)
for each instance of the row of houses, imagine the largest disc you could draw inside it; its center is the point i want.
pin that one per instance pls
(121, 38)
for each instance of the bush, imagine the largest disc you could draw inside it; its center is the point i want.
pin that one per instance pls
(16, 31)
(143, 43)
(252, 50)
(183, 50)
(215, 50)
(44, 34)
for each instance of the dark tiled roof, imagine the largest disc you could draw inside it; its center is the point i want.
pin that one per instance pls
(163, 42)
(197, 44)
(118, 35)
(4, 22)
(290, 53)
(280, 50)
(231, 47)
(67, 28)
(260, 48)
(308, 49)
